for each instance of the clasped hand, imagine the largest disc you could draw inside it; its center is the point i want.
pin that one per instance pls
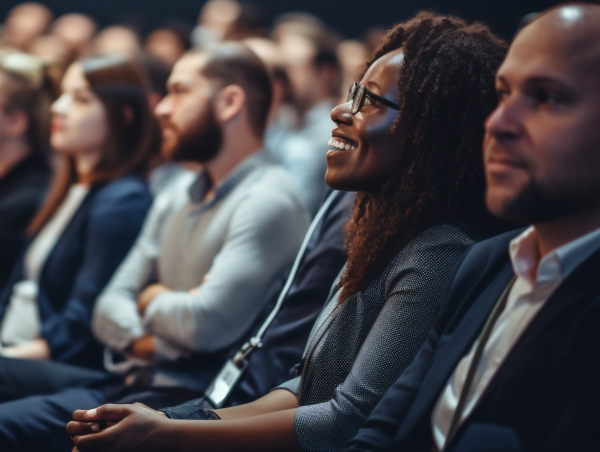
(118, 428)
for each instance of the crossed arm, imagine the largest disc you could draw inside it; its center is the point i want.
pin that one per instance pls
(264, 425)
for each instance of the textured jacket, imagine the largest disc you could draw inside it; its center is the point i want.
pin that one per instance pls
(359, 348)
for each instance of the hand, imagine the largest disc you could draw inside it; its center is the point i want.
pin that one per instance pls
(35, 349)
(143, 348)
(149, 294)
(119, 428)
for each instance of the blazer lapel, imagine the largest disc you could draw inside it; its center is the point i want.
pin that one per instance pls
(454, 345)
(577, 289)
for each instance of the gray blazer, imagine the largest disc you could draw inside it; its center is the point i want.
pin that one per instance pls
(357, 350)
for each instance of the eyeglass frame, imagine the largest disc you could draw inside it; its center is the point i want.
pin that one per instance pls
(357, 94)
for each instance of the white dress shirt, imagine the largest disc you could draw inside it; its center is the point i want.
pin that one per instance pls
(535, 282)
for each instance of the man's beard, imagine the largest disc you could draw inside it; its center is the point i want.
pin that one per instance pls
(198, 144)
(539, 204)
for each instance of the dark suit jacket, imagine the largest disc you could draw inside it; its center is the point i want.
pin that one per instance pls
(94, 242)
(545, 397)
(285, 339)
(22, 191)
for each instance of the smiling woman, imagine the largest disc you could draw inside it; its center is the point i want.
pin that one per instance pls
(408, 140)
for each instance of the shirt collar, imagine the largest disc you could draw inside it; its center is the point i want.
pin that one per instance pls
(198, 188)
(561, 262)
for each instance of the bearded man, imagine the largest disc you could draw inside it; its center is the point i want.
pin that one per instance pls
(213, 252)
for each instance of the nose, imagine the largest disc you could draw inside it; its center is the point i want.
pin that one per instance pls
(62, 105)
(163, 108)
(342, 114)
(506, 121)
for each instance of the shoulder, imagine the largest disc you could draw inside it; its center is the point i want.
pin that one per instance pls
(487, 254)
(434, 246)
(272, 187)
(126, 192)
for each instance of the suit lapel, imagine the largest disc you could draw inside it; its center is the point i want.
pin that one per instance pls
(578, 289)
(454, 345)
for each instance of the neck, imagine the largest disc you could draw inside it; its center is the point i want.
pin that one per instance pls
(84, 166)
(235, 149)
(12, 153)
(556, 233)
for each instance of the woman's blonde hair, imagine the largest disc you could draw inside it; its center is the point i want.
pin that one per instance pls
(27, 87)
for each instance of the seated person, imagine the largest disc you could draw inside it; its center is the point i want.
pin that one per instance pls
(512, 363)
(91, 218)
(25, 97)
(419, 208)
(267, 358)
(303, 158)
(212, 253)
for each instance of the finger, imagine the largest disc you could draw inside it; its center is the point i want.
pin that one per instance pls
(89, 443)
(78, 428)
(109, 412)
(79, 415)
(143, 406)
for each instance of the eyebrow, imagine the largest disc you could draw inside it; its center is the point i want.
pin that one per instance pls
(174, 84)
(540, 80)
(374, 85)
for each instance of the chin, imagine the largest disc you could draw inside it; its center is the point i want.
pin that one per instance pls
(168, 151)
(337, 183)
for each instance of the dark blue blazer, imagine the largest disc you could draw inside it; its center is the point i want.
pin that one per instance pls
(285, 339)
(546, 395)
(85, 256)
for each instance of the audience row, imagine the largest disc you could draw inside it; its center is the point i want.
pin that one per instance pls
(436, 301)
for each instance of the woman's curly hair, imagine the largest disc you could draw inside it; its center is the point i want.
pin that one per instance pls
(446, 90)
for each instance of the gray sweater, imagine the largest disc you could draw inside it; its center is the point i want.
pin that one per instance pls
(232, 249)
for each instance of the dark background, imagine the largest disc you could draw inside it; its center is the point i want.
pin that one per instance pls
(348, 17)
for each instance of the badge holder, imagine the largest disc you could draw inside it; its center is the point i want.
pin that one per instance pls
(220, 388)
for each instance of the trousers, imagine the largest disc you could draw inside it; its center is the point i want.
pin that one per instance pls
(37, 399)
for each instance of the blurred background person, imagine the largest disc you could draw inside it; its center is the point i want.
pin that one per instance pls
(24, 23)
(226, 20)
(168, 42)
(53, 51)
(308, 53)
(297, 154)
(117, 40)
(353, 56)
(87, 225)
(25, 97)
(76, 31)
(310, 59)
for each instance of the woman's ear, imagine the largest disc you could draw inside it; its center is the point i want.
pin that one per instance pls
(229, 102)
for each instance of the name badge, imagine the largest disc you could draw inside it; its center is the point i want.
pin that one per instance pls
(224, 382)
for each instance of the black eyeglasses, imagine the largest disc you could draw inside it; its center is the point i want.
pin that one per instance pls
(357, 94)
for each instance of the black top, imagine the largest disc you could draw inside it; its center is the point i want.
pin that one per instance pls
(22, 191)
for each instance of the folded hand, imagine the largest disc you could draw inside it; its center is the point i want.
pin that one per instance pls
(117, 428)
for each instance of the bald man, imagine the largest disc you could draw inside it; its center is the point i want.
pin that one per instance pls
(513, 362)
